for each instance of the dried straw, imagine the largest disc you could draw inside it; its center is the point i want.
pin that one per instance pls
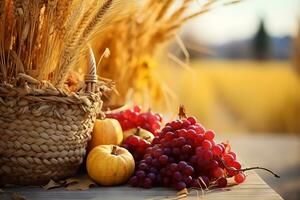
(134, 42)
(45, 38)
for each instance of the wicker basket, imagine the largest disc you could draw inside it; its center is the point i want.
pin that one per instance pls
(43, 130)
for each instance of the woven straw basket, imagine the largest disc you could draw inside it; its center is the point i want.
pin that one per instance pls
(43, 130)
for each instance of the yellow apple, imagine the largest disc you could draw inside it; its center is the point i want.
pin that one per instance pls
(142, 133)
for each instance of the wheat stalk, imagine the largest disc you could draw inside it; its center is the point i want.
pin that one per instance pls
(67, 56)
(2, 25)
(97, 18)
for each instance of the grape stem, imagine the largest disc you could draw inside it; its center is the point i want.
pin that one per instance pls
(181, 113)
(247, 169)
(262, 168)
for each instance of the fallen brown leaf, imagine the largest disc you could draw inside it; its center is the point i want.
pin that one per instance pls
(52, 184)
(180, 196)
(182, 192)
(17, 196)
(79, 183)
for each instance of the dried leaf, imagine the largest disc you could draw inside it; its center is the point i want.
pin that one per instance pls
(17, 196)
(80, 183)
(181, 194)
(52, 184)
(183, 191)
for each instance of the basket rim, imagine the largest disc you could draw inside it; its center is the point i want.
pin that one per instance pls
(35, 91)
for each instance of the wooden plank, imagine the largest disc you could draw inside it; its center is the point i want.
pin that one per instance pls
(253, 189)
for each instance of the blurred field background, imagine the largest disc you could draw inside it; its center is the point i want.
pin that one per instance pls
(239, 96)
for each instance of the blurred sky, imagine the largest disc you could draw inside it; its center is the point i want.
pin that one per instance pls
(240, 21)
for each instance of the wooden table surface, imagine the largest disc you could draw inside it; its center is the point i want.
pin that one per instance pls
(253, 189)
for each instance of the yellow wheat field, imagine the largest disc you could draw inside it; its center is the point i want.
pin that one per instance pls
(239, 96)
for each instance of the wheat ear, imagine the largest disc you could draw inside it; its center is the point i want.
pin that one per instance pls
(67, 55)
(88, 31)
(97, 18)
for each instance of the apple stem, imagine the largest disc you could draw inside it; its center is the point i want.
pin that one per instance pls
(114, 150)
(138, 130)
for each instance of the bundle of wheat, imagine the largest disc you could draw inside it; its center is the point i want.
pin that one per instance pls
(45, 38)
(134, 41)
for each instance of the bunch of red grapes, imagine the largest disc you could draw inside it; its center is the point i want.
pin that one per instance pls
(185, 155)
(133, 118)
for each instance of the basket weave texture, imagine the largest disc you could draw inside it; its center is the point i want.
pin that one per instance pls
(43, 132)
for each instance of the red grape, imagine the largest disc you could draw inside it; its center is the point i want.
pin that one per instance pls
(176, 124)
(177, 176)
(228, 158)
(186, 149)
(207, 155)
(231, 172)
(153, 170)
(140, 174)
(167, 129)
(217, 150)
(186, 123)
(213, 163)
(163, 159)
(218, 172)
(166, 181)
(199, 129)
(157, 153)
(167, 151)
(151, 176)
(155, 162)
(206, 144)
(182, 133)
(182, 165)
(156, 140)
(169, 136)
(143, 166)
(147, 183)
(137, 109)
(180, 186)
(236, 164)
(222, 182)
(233, 155)
(239, 177)
(210, 135)
(192, 120)
(134, 181)
(188, 171)
(176, 151)
(174, 167)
